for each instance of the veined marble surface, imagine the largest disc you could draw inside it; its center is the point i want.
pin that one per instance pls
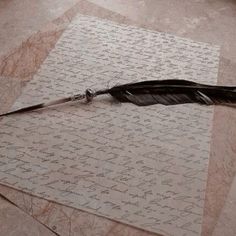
(201, 20)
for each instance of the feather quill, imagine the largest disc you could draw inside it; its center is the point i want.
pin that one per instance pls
(145, 93)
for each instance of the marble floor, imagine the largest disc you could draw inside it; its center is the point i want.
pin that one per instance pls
(28, 31)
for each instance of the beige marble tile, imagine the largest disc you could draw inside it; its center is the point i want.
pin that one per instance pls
(226, 222)
(10, 89)
(32, 50)
(15, 222)
(209, 21)
(20, 19)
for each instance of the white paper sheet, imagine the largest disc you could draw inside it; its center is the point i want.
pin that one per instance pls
(144, 166)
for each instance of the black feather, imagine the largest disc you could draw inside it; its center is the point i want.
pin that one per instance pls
(172, 92)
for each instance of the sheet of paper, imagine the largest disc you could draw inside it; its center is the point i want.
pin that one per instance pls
(144, 166)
